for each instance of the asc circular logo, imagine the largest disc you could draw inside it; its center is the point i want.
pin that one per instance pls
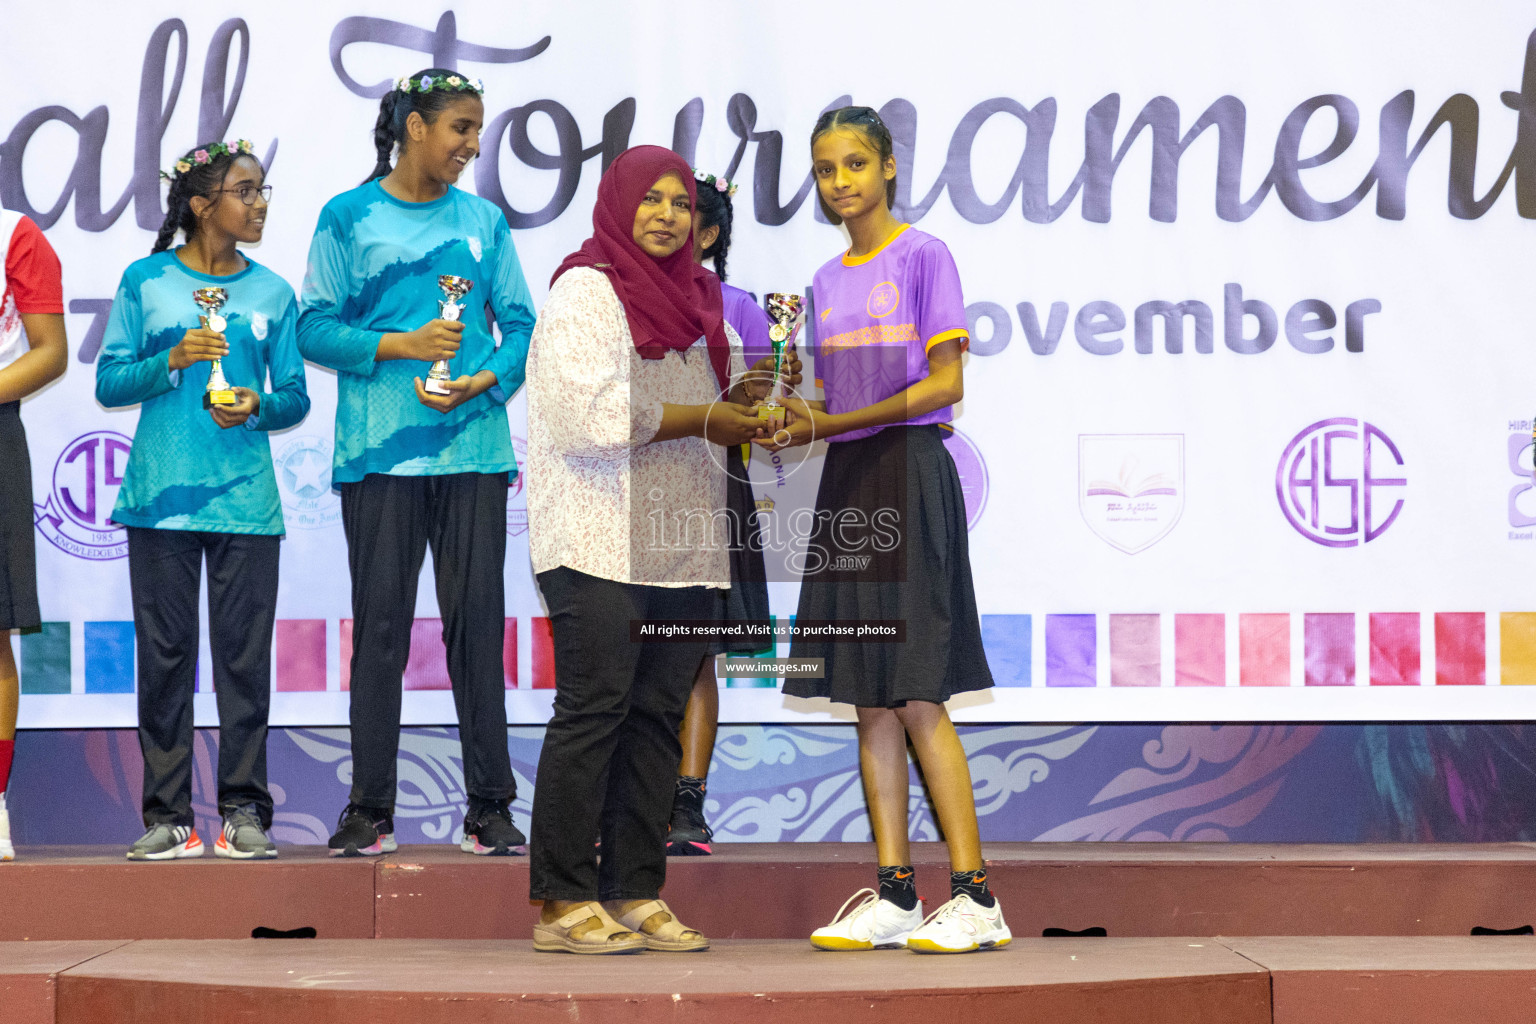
(76, 517)
(303, 468)
(1340, 482)
(517, 493)
(973, 472)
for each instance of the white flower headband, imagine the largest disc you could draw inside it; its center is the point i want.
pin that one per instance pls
(442, 83)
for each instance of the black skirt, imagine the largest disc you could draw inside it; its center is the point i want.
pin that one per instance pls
(747, 600)
(889, 544)
(18, 547)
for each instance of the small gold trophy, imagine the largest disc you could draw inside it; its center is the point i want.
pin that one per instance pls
(219, 392)
(786, 310)
(447, 309)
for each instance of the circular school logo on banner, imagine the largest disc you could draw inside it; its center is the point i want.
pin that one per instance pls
(76, 517)
(517, 493)
(303, 468)
(973, 473)
(1340, 482)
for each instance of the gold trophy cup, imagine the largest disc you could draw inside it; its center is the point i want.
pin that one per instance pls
(786, 310)
(209, 300)
(447, 309)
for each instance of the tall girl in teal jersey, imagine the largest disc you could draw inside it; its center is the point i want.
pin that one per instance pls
(418, 469)
(200, 484)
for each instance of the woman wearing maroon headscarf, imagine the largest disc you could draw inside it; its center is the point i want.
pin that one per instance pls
(630, 392)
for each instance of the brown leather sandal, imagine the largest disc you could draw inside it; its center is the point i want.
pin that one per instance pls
(556, 937)
(670, 937)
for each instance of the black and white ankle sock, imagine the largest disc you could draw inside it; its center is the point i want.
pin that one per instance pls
(898, 884)
(972, 884)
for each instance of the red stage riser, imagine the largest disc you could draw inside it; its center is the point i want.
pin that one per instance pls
(1266, 980)
(72, 893)
(29, 973)
(783, 891)
(1141, 981)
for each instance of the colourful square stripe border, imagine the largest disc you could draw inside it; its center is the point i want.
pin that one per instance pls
(299, 662)
(1200, 650)
(427, 666)
(1395, 655)
(109, 657)
(1135, 650)
(1071, 650)
(1009, 643)
(45, 659)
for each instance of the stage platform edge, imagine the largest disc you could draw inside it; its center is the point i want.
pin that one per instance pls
(784, 890)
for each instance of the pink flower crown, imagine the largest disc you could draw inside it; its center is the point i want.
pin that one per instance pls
(719, 184)
(204, 154)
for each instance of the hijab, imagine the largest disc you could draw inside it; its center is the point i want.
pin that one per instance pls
(670, 302)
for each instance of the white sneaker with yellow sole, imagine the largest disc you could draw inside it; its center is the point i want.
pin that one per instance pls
(872, 924)
(962, 926)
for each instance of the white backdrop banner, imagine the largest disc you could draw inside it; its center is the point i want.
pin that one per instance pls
(1247, 428)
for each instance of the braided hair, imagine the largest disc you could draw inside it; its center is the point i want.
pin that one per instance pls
(397, 106)
(714, 210)
(866, 121)
(193, 178)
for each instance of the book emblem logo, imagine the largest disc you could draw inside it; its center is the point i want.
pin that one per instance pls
(1130, 487)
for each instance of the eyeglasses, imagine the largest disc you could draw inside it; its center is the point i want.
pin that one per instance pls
(248, 193)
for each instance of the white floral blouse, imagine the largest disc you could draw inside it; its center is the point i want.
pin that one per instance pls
(601, 500)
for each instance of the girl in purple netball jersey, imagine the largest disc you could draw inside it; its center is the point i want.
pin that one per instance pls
(890, 537)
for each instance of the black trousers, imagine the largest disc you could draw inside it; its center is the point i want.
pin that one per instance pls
(164, 571)
(389, 522)
(609, 763)
(18, 550)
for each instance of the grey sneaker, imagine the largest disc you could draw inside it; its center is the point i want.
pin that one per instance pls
(167, 842)
(243, 837)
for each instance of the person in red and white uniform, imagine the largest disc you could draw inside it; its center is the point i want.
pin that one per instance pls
(33, 352)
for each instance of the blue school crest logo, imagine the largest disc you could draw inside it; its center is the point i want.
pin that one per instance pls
(76, 516)
(517, 493)
(259, 326)
(303, 467)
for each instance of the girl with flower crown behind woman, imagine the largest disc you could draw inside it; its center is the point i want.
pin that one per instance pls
(200, 320)
(746, 601)
(383, 299)
(891, 327)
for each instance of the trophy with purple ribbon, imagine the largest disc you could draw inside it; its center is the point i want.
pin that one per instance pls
(209, 300)
(447, 309)
(787, 311)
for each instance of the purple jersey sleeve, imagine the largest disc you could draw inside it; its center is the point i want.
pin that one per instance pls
(939, 304)
(750, 321)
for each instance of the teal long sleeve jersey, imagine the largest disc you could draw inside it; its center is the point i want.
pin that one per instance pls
(373, 270)
(185, 472)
